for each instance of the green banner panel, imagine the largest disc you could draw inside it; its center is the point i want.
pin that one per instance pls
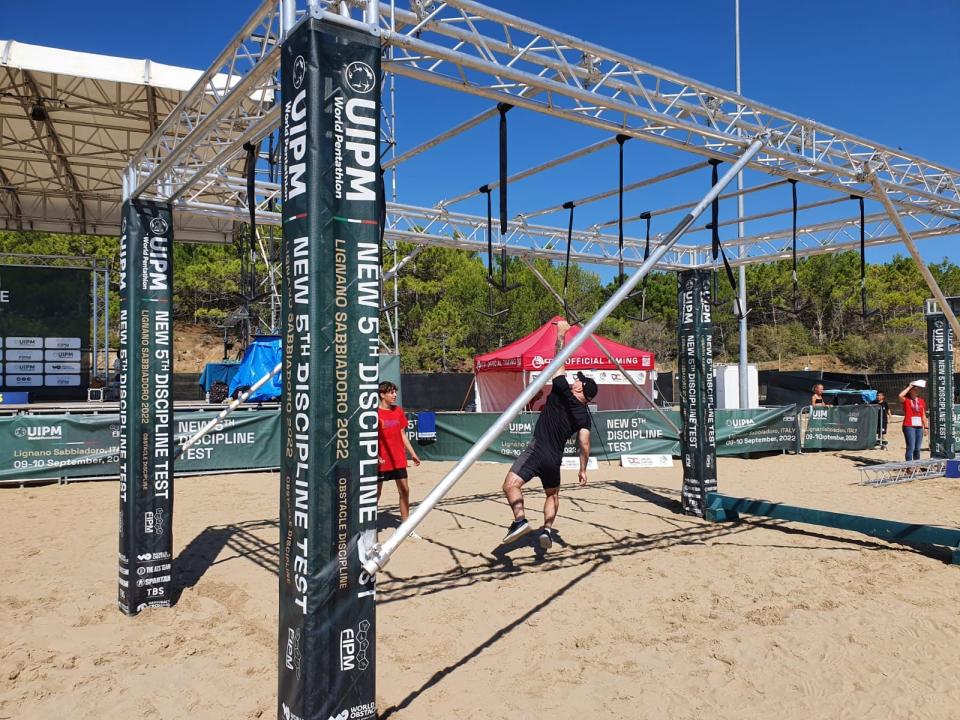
(697, 389)
(940, 385)
(146, 408)
(330, 83)
(34, 447)
(45, 331)
(614, 433)
(757, 430)
(846, 427)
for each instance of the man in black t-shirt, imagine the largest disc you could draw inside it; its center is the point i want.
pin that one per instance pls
(884, 416)
(564, 414)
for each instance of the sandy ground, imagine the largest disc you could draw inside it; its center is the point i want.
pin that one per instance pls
(639, 612)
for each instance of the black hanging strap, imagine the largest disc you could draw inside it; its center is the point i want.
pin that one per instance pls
(796, 293)
(485, 189)
(716, 247)
(864, 311)
(253, 150)
(621, 139)
(569, 205)
(503, 108)
(502, 284)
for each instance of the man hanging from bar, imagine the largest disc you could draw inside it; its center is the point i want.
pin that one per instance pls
(564, 414)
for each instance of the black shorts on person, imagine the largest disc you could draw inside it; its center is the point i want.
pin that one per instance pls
(533, 464)
(395, 474)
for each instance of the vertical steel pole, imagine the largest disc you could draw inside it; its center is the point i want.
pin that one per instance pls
(96, 322)
(379, 555)
(288, 16)
(106, 323)
(744, 374)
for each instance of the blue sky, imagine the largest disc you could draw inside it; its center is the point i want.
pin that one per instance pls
(885, 70)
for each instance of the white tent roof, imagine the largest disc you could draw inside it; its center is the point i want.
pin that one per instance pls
(69, 124)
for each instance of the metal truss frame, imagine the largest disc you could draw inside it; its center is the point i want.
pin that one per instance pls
(192, 160)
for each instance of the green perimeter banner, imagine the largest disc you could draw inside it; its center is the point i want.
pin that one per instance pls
(940, 385)
(614, 433)
(847, 427)
(78, 446)
(146, 407)
(330, 132)
(34, 447)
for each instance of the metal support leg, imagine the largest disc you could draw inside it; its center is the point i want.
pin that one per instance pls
(912, 248)
(379, 555)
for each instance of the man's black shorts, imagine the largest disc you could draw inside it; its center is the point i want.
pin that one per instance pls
(397, 474)
(532, 464)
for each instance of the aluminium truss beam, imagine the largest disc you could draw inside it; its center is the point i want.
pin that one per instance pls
(529, 172)
(442, 228)
(233, 94)
(461, 47)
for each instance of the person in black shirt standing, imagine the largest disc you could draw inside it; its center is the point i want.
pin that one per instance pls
(564, 414)
(884, 417)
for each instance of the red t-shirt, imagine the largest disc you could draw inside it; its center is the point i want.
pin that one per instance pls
(393, 423)
(913, 411)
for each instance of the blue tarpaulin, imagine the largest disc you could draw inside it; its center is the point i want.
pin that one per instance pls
(219, 371)
(262, 355)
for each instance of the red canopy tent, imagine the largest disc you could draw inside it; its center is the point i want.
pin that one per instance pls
(502, 374)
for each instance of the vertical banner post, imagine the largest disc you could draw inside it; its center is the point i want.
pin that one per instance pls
(698, 440)
(940, 385)
(146, 407)
(330, 125)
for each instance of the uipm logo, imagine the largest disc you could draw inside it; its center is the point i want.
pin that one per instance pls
(42, 432)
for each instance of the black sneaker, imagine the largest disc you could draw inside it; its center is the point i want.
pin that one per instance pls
(546, 539)
(518, 528)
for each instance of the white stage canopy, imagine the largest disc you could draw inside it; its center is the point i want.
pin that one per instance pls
(70, 123)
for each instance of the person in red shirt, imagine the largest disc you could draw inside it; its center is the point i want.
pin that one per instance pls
(394, 446)
(914, 418)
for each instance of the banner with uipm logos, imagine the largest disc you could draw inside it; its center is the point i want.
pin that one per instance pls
(940, 385)
(146, 407)
(330, 87)
(698, 440)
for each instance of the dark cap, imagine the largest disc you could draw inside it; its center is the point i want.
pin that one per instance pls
(589, 386)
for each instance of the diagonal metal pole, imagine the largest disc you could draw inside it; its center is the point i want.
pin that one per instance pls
(379, 555)
(915, 253)
(573, 316)
(226, 411)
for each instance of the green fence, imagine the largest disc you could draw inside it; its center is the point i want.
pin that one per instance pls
(616, 433)
(77, 446)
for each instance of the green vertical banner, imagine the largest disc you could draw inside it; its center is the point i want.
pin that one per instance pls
(330, 125)
(146, 407)
(698, 440)
(940, 385)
